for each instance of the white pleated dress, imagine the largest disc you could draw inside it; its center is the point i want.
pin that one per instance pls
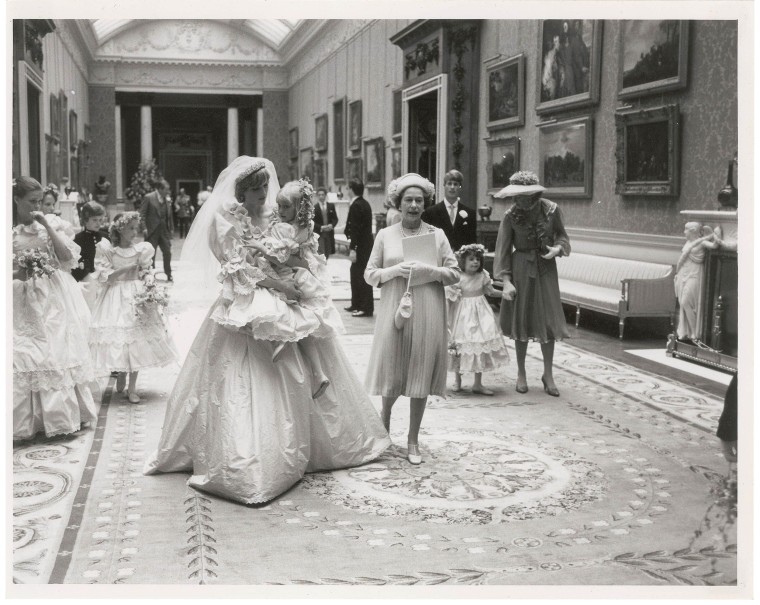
(411, 361)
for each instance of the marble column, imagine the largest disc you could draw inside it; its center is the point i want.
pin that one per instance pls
(233, 143)
(117, 144)
(260, 132)
(146, 133)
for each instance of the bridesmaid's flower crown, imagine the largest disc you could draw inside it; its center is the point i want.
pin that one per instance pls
(524, 177)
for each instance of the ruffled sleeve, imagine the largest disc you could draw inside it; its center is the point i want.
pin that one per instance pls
(72, 246)
(487, 283)
(103, 260)
(238, 274)
(145, 251)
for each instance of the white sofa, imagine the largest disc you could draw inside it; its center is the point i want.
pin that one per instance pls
(615, 286)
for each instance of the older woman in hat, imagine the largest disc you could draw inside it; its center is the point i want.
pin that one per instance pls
(531, 235)
(409, 353)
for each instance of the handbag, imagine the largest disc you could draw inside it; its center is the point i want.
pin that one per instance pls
(404, 311)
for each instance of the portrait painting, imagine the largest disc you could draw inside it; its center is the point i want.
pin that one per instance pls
(339, 139)
(653, 57)
(293, 143)
(503, 162)
(320, 172)
(354, 168)
(73, 131)
(395, 162)
(355, 125)
(306, 163)
(565, 156)
(648, 151)
(374, 154)
(320, 133)
(506, 93)
(568, 64)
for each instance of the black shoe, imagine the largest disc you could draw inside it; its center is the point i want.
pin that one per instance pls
(350, 309)
(552, 391)
(361, 314)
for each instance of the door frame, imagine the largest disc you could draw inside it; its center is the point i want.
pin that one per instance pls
(439, 84)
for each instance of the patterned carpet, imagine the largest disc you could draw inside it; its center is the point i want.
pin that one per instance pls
(615, 482)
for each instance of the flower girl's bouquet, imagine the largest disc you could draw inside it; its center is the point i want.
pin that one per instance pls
(34, 262)
(152, 296)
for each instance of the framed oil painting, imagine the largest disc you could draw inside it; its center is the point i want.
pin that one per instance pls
(374, 155)
(503, 162)
(506, 93)
(55, 117)
(306, 163)
(654, 57)
(354, 168)
(355, 126)
(569, 61)
(293, 138)
(565, 152)
(395, 162)
(320, 172)
(320, 133)
(73, 131)
(648, 151)
(339, 140)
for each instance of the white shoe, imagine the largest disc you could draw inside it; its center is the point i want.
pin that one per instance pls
(133, 397)
(413, 453)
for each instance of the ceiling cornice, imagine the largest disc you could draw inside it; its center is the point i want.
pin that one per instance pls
(301, 38)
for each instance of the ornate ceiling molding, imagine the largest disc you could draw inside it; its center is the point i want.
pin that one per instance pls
(195, 41)
(198, 78)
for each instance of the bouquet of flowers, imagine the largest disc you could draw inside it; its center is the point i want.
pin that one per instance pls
(34, 262)
(152, 295)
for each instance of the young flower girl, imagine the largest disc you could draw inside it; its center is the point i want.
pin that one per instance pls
(127, 334)
(476, 343)
(288, 250)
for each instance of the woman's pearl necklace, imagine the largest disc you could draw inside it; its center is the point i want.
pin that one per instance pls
(405, 234)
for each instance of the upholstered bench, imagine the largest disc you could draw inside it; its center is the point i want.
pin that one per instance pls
(614, 286)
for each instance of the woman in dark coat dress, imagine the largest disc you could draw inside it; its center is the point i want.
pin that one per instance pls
(531, 235)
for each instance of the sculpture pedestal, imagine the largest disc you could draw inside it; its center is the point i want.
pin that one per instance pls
(717, 342)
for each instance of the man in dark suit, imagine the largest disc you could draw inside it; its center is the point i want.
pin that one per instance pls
(359, 231)
(325, 219)
(156, 215)
(457, 220)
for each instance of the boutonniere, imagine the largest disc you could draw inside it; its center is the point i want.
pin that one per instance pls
(463, 213)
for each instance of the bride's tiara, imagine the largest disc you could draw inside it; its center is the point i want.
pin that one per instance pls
(255, 167)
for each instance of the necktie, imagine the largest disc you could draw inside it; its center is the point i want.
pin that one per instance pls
(453, 214)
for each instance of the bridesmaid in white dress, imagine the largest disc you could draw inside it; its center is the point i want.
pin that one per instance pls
(245, 426)
(51, 359)
(410, 360)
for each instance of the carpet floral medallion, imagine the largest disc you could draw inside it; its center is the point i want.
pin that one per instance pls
(618, 481)
(474, 476)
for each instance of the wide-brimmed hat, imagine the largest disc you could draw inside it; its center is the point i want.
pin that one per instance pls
(524, 182)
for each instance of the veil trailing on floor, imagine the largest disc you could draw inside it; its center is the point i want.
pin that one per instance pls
(197, 252)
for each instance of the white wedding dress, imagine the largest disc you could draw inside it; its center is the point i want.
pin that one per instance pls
(245, 427)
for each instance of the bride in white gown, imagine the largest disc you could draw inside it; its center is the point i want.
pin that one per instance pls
(246, 427)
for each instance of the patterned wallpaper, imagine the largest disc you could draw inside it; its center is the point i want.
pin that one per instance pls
(709, 127)
(103, 136)
(275, 106)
